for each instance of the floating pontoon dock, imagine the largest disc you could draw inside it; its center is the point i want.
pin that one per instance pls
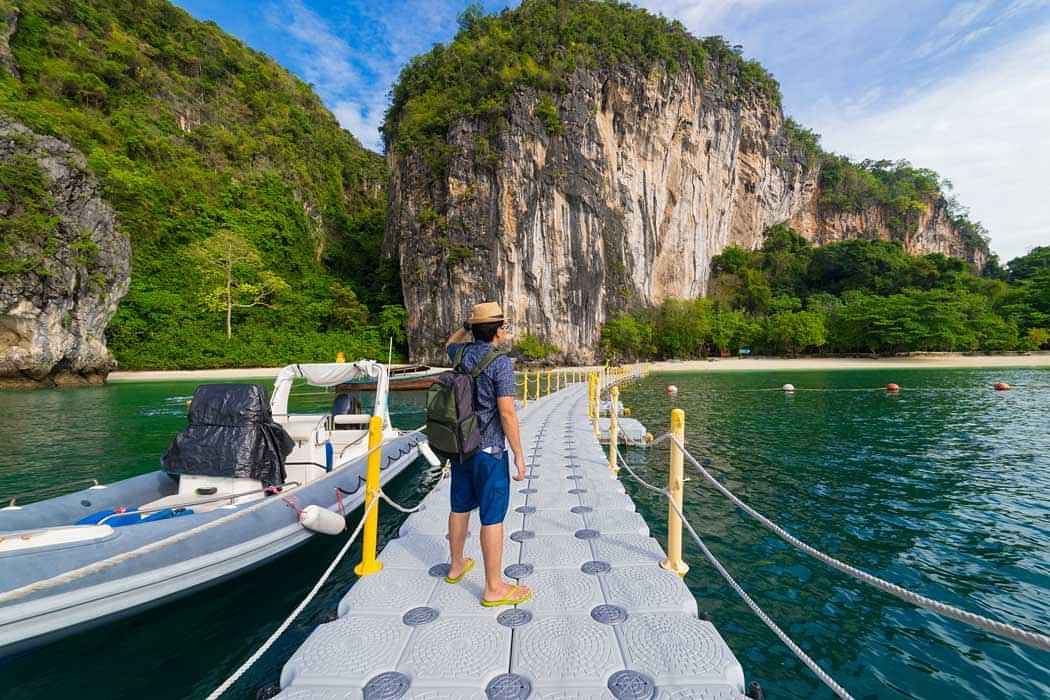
(606, 620)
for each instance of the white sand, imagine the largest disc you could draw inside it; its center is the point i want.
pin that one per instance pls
(166, 375)
(924, 361)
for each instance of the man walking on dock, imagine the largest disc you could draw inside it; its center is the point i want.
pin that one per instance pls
(482, 480)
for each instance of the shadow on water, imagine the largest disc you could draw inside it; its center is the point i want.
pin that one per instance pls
(941, 489)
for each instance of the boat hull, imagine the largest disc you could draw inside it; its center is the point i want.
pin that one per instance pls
(220, 553)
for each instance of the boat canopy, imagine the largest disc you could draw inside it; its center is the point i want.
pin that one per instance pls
(331, 374)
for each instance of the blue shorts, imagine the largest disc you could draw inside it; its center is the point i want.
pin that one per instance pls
(482, 482)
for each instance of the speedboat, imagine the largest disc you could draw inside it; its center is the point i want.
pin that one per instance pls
(228, 498)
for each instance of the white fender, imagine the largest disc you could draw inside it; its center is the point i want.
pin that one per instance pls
(322, 520)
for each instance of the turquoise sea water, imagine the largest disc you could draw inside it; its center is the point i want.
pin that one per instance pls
(944, 489)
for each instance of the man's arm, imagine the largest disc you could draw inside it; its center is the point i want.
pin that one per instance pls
(461, 335)
(508, 416)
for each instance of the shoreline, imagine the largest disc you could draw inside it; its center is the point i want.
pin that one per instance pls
(176, 375)
(924, 361)
(730, 364)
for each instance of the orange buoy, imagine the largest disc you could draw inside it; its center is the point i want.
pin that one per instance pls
(892, 388)
(1002, 386)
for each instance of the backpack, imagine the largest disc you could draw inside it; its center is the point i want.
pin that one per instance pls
(452, 428)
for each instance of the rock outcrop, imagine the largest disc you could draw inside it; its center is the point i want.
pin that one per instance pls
(8, 25)
(65, 273)
(621, 201)
(932, 232)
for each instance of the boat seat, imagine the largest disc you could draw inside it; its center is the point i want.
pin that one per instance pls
(301, 430)
(352, 419)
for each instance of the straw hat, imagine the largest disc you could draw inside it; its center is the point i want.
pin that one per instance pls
(486, 312)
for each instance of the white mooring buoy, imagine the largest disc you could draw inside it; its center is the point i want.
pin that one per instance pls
(789, 388)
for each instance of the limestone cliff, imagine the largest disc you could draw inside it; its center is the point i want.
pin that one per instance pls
(620, 199)
(648, 177)
(65, 266)
(8, 25)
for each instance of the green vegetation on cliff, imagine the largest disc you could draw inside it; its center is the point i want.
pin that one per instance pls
(26, 216)
(195, 136)
(855, 296)
(538, 45)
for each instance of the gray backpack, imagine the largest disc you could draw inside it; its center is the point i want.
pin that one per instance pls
(453, 430)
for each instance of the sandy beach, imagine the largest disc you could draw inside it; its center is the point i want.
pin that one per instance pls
(924, 361)
(733, 364)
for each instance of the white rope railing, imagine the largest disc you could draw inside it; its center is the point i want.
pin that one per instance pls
(1017, 634)
(755, 608)
(229, 682)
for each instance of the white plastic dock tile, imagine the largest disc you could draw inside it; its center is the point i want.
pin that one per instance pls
(567, 590)
(456, 650)
(391, 591)
(648, 589)
(556, 551)
(602, 609)
(675, 649)
(562, 651)
(348, 651)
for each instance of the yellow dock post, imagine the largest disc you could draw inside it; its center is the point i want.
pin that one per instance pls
(369, 564)
(614, 428)
(675, 484)
(548, 382)
(595, 393)
(340, 358)
(525, 383)
(590, 397)
(539, 377)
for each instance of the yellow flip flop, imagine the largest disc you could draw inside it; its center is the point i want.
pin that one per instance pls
(512, 599)
(468, 565)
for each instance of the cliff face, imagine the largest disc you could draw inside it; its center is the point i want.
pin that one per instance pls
(67, 266)
(620, 200)
(624, 201)
(933, 232)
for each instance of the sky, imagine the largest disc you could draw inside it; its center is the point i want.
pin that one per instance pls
(962, 88)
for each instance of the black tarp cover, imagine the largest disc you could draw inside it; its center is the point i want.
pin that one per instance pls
(231, 433)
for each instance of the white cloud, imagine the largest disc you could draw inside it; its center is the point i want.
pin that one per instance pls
(353, 74)
(985, 129)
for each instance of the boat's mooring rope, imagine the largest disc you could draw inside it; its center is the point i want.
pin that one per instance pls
(759, 612)
(117, 559)
(228, 683)
(1017, 634)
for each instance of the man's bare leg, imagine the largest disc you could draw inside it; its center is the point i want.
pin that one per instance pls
(492, 552)
(457, 537)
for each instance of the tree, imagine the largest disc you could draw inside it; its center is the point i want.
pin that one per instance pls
(1037, 338)
(392, 320)
(243, 282)
(623, 337)
(347, 311)
(795, 331)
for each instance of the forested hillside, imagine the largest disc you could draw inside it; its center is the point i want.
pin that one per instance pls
(858, 296)
(240, 193)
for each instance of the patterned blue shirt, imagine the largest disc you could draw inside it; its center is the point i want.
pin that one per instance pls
(495, 381)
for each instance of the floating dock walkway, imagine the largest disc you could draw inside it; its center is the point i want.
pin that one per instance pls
(606, 620)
